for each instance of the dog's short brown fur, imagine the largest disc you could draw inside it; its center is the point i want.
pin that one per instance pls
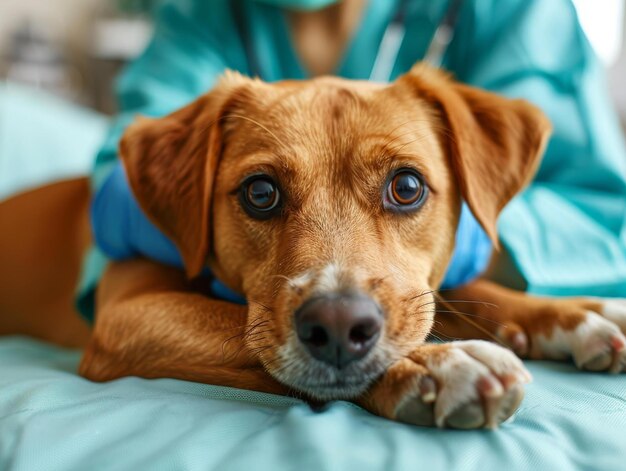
(331, 144)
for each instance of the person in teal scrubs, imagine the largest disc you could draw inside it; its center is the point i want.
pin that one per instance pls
(564, 235)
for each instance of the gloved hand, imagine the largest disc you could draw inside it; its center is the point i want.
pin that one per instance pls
(122, 231)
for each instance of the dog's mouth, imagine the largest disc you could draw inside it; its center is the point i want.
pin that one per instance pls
(336, 390)
(325, 382)
(339, 389)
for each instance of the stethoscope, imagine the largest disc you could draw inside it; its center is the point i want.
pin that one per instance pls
(389, 47)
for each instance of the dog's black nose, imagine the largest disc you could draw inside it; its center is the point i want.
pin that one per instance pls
(339, 329)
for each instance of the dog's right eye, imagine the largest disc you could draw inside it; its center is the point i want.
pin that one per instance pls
(260, 196)
(406, 191)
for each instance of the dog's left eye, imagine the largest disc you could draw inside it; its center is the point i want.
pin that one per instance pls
(406, 190)
(260, 196)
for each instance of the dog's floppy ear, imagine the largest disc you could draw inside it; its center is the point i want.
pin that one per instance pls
(495, 143)
(171, 164)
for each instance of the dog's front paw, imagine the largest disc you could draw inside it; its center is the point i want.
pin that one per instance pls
(594, 342)
(466, 385)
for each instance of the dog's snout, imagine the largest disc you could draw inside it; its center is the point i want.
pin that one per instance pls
(339, 329)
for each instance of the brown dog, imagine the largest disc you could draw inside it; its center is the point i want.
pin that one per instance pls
(332, 205)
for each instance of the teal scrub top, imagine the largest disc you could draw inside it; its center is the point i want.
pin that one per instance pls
(564, 235)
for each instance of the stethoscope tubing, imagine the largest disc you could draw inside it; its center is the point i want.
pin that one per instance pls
(389, 48)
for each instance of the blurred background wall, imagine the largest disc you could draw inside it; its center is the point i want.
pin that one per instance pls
(75, 47)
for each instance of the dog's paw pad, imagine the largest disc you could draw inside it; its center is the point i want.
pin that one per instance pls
(489, 411)
(479, 384)
(417, 407)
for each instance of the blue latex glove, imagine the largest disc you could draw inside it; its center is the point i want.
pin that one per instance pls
(122, 231)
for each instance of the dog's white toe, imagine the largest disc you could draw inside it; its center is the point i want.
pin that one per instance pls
(615, 311)
(595, 344)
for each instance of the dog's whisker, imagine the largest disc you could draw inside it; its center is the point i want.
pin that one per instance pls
(396, 151)
(398, 127)
(426, 292)
(243, 335)
(424, 318)
(388, 145)
(459, 301)
(423, 293)
(253, 337)
(477, 326)
(259, 350)
(467, 301)
(255, 122)
(264, 306)
(456, 311)
(447, 303)
(255, 326)
(227, 359)
(253, 350)
(432, 334)
(476, 316)
(414, 121)
(446, 339)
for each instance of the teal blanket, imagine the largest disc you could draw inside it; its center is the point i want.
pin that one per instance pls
(51, 419)
(44, 139)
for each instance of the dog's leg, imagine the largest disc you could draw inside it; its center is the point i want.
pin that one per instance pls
(44, 234)
(467, 384)
(586, 329)
(150, 324)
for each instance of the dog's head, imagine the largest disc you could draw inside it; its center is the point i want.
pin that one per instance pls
(332, 205)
